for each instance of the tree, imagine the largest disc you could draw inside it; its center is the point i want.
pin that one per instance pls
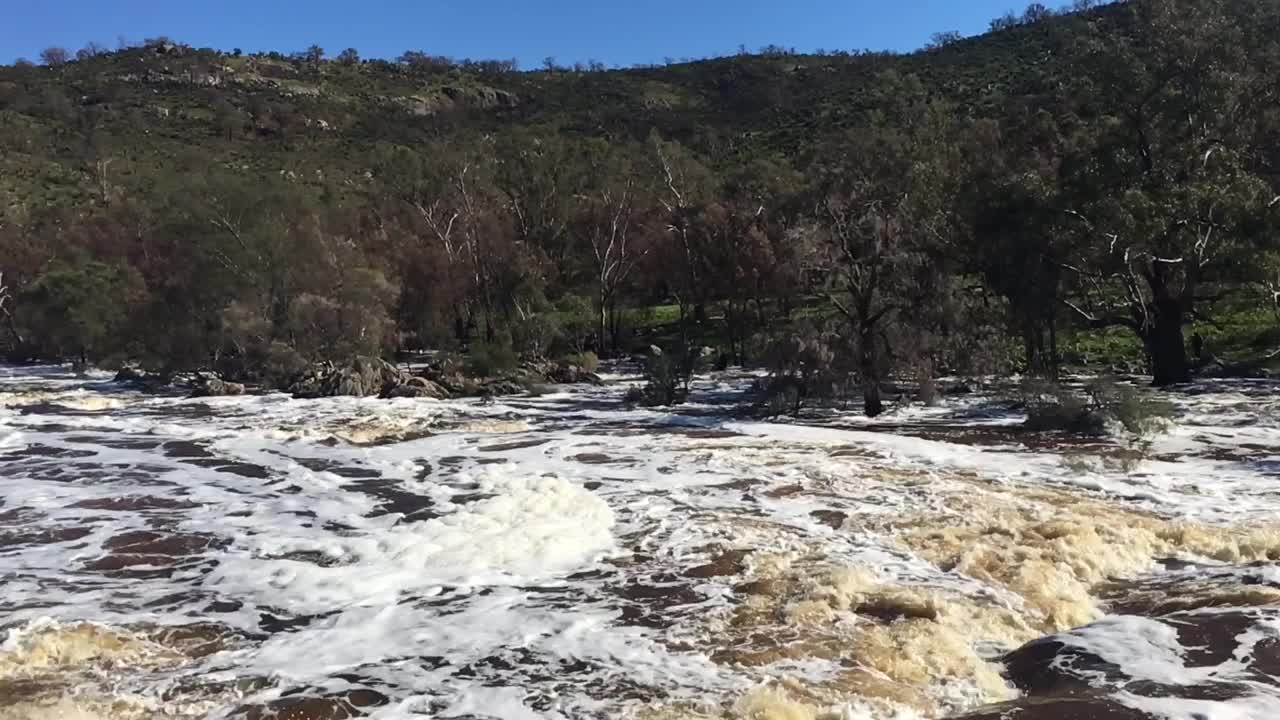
(1008, 21)
(882, 206)
(80, 309)
(90, 50)
(313, 54)
(229, 119)
(685, 186)
(350, 56)
(1017, 239)
(54, 56)
(6, 311)
(1169, 197)
(537, 175)
(943, 39)
(609, 223)
(1036, 12)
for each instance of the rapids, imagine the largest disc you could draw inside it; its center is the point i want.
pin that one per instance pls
(563, 556)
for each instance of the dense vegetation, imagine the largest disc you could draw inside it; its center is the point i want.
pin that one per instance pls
(985, 204)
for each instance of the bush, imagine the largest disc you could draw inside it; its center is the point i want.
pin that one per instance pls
(667, 379)
(1100, 406)
(585, 360)
(803, 366)
(492, 359)
(1051, 407)
(535, 335)
(1137, 414)
(577, 323)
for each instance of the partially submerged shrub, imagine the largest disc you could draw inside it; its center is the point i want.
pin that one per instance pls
(667, 377)
(1137, 413)
(803, 365)
(928, 392)
(1054, 407)
(1101, 407)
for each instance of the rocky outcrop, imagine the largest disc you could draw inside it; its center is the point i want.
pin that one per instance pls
(569, 374)
(449, 97)
(453, 379)
(213, 387)
(417, 387)
(557, 372)
(363, 377)
(146, 382)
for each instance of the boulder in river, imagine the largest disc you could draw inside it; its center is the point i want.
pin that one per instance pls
(416, 387)
(570, 374)
(213, 387)
(361, 377)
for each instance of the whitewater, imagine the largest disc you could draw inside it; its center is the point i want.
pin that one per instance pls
(567, 556)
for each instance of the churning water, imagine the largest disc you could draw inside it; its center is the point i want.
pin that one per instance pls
(564, 557)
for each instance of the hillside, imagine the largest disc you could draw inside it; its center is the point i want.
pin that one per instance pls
(983, 205)
(144, 108)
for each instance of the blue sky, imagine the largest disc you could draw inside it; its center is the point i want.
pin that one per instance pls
(618, 32)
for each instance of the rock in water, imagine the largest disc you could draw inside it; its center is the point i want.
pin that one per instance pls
(416, 387)
(363, 377)
(213, 387)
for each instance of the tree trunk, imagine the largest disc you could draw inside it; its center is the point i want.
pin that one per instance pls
(604, 322)
(1166, 347)
(871, 402)
(872, 405)
(1055, 361)
(615, 329)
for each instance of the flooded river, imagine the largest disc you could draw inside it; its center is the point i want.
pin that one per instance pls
(566, 557)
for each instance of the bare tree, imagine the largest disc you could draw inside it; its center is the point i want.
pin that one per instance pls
(54, 56)
(610, 227)
(91, 50)
(6, 310)
(943, 39)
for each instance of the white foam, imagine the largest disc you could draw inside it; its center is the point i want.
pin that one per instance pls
(1147, 650)
(521, 580)
(1254, 707)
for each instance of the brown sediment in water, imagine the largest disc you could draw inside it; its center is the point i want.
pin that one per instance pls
(1164, 594)
(899, 648)
(911, 649)
(68, 671)
(44, 648)
(1051, 548)
(90, 707)
(82, 401)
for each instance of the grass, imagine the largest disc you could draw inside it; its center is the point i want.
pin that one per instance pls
(1242, 330)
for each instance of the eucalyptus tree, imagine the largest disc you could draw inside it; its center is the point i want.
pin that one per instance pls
(1169, 197)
